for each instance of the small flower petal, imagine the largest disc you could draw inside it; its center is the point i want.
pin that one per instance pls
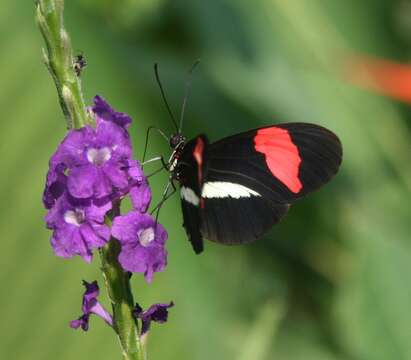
(105, 112)
(99, 310)
(117, 176)
(70, 151)
(140, 196)
(135, 171)
(94, 240)
(68, 242)
(114, 137)
(82, 322)
(81, 180)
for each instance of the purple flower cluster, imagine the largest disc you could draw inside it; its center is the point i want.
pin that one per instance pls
(89, 174)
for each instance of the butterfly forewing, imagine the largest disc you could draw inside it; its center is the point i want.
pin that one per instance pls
(282, 162)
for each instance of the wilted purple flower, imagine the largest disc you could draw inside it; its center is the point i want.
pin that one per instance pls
(55, 184)
(94, 160)
(156, 312)
(104, 111)
(78, 227)
(91, 306)
(142, 243)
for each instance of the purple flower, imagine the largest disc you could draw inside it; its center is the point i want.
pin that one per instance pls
(78, 227)
(91, 306)
(142, 243)
(140, 193)
(104, 111)
(156, 312)
(95, 161)
(140, 197)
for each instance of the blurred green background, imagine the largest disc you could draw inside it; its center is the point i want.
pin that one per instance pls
(332, 281)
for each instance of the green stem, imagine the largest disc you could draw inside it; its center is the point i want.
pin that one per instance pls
(59, 60)
(118, 287)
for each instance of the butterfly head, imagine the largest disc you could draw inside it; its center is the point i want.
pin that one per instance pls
(176, 140)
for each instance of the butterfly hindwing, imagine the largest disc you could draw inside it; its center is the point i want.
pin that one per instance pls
(242, 220)
(192, 225)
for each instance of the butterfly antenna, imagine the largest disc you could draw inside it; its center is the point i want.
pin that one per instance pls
(163, 95)
(188, 85)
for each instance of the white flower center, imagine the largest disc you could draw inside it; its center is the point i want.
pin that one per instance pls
(98, 156)
(74, 217)
(146, 236)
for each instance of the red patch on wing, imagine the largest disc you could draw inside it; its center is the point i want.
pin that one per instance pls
(198, 156)
(281, 155)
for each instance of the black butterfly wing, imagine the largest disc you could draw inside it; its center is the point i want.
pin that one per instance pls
(239, 221)
(257, 174)
(192, 225)
(321, 154)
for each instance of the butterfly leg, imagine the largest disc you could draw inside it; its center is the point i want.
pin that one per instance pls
(147, 137)
(164, 165)
(169, 190)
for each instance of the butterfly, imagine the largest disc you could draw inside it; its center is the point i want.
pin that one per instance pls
(235, 189)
